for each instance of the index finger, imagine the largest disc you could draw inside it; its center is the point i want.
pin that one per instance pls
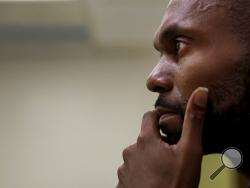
(193, 120)
(149, 127)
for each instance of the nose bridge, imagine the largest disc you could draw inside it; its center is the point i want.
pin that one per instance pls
(161, 78)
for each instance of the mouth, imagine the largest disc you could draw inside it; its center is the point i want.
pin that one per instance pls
(170, 124)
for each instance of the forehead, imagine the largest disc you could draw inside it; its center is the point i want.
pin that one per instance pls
(197, 6)
(194, 8)
(201, 15)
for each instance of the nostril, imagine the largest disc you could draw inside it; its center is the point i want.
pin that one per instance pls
(158, 90)
(160, 85)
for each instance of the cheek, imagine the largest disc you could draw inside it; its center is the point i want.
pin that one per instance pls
(202, 70)
(222, 82)
(195, 75)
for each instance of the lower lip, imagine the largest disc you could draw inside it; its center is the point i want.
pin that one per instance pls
(172, 122)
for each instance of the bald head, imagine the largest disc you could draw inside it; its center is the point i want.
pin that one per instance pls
(200, 5)
(237, 10)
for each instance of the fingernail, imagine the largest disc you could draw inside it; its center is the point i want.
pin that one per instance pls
(200, 98)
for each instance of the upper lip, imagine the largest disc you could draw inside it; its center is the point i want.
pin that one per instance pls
(165, 110)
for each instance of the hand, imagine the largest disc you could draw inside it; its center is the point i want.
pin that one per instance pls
(152, 163)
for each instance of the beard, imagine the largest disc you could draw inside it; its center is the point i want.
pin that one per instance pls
(227, 115)
(228, 112)
(228, 129)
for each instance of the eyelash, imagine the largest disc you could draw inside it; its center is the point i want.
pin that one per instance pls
(176, 47)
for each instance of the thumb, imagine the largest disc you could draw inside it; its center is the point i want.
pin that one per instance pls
(191, 137)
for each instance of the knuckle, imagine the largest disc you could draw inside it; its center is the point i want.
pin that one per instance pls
(127, 153)
(141, 141)
(197, 115)
(120, 172)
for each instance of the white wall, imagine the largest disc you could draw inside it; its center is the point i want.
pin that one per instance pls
(64, 124)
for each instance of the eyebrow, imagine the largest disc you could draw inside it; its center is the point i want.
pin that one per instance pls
(170, 32)
(165, 34)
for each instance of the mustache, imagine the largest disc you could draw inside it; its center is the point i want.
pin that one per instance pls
(175, 106)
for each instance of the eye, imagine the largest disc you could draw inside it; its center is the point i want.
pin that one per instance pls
(179, 46)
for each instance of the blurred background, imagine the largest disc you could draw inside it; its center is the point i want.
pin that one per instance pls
(72, 91)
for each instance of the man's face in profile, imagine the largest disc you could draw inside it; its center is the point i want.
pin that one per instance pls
(199, 48)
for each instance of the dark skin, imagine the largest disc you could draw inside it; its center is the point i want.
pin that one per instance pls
(152, 163)
(200, 58)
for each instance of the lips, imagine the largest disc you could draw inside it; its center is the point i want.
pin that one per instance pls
(170, 123)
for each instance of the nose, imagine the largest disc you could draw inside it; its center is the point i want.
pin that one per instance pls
(160, 79)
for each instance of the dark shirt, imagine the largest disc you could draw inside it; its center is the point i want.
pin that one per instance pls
(248, 186)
